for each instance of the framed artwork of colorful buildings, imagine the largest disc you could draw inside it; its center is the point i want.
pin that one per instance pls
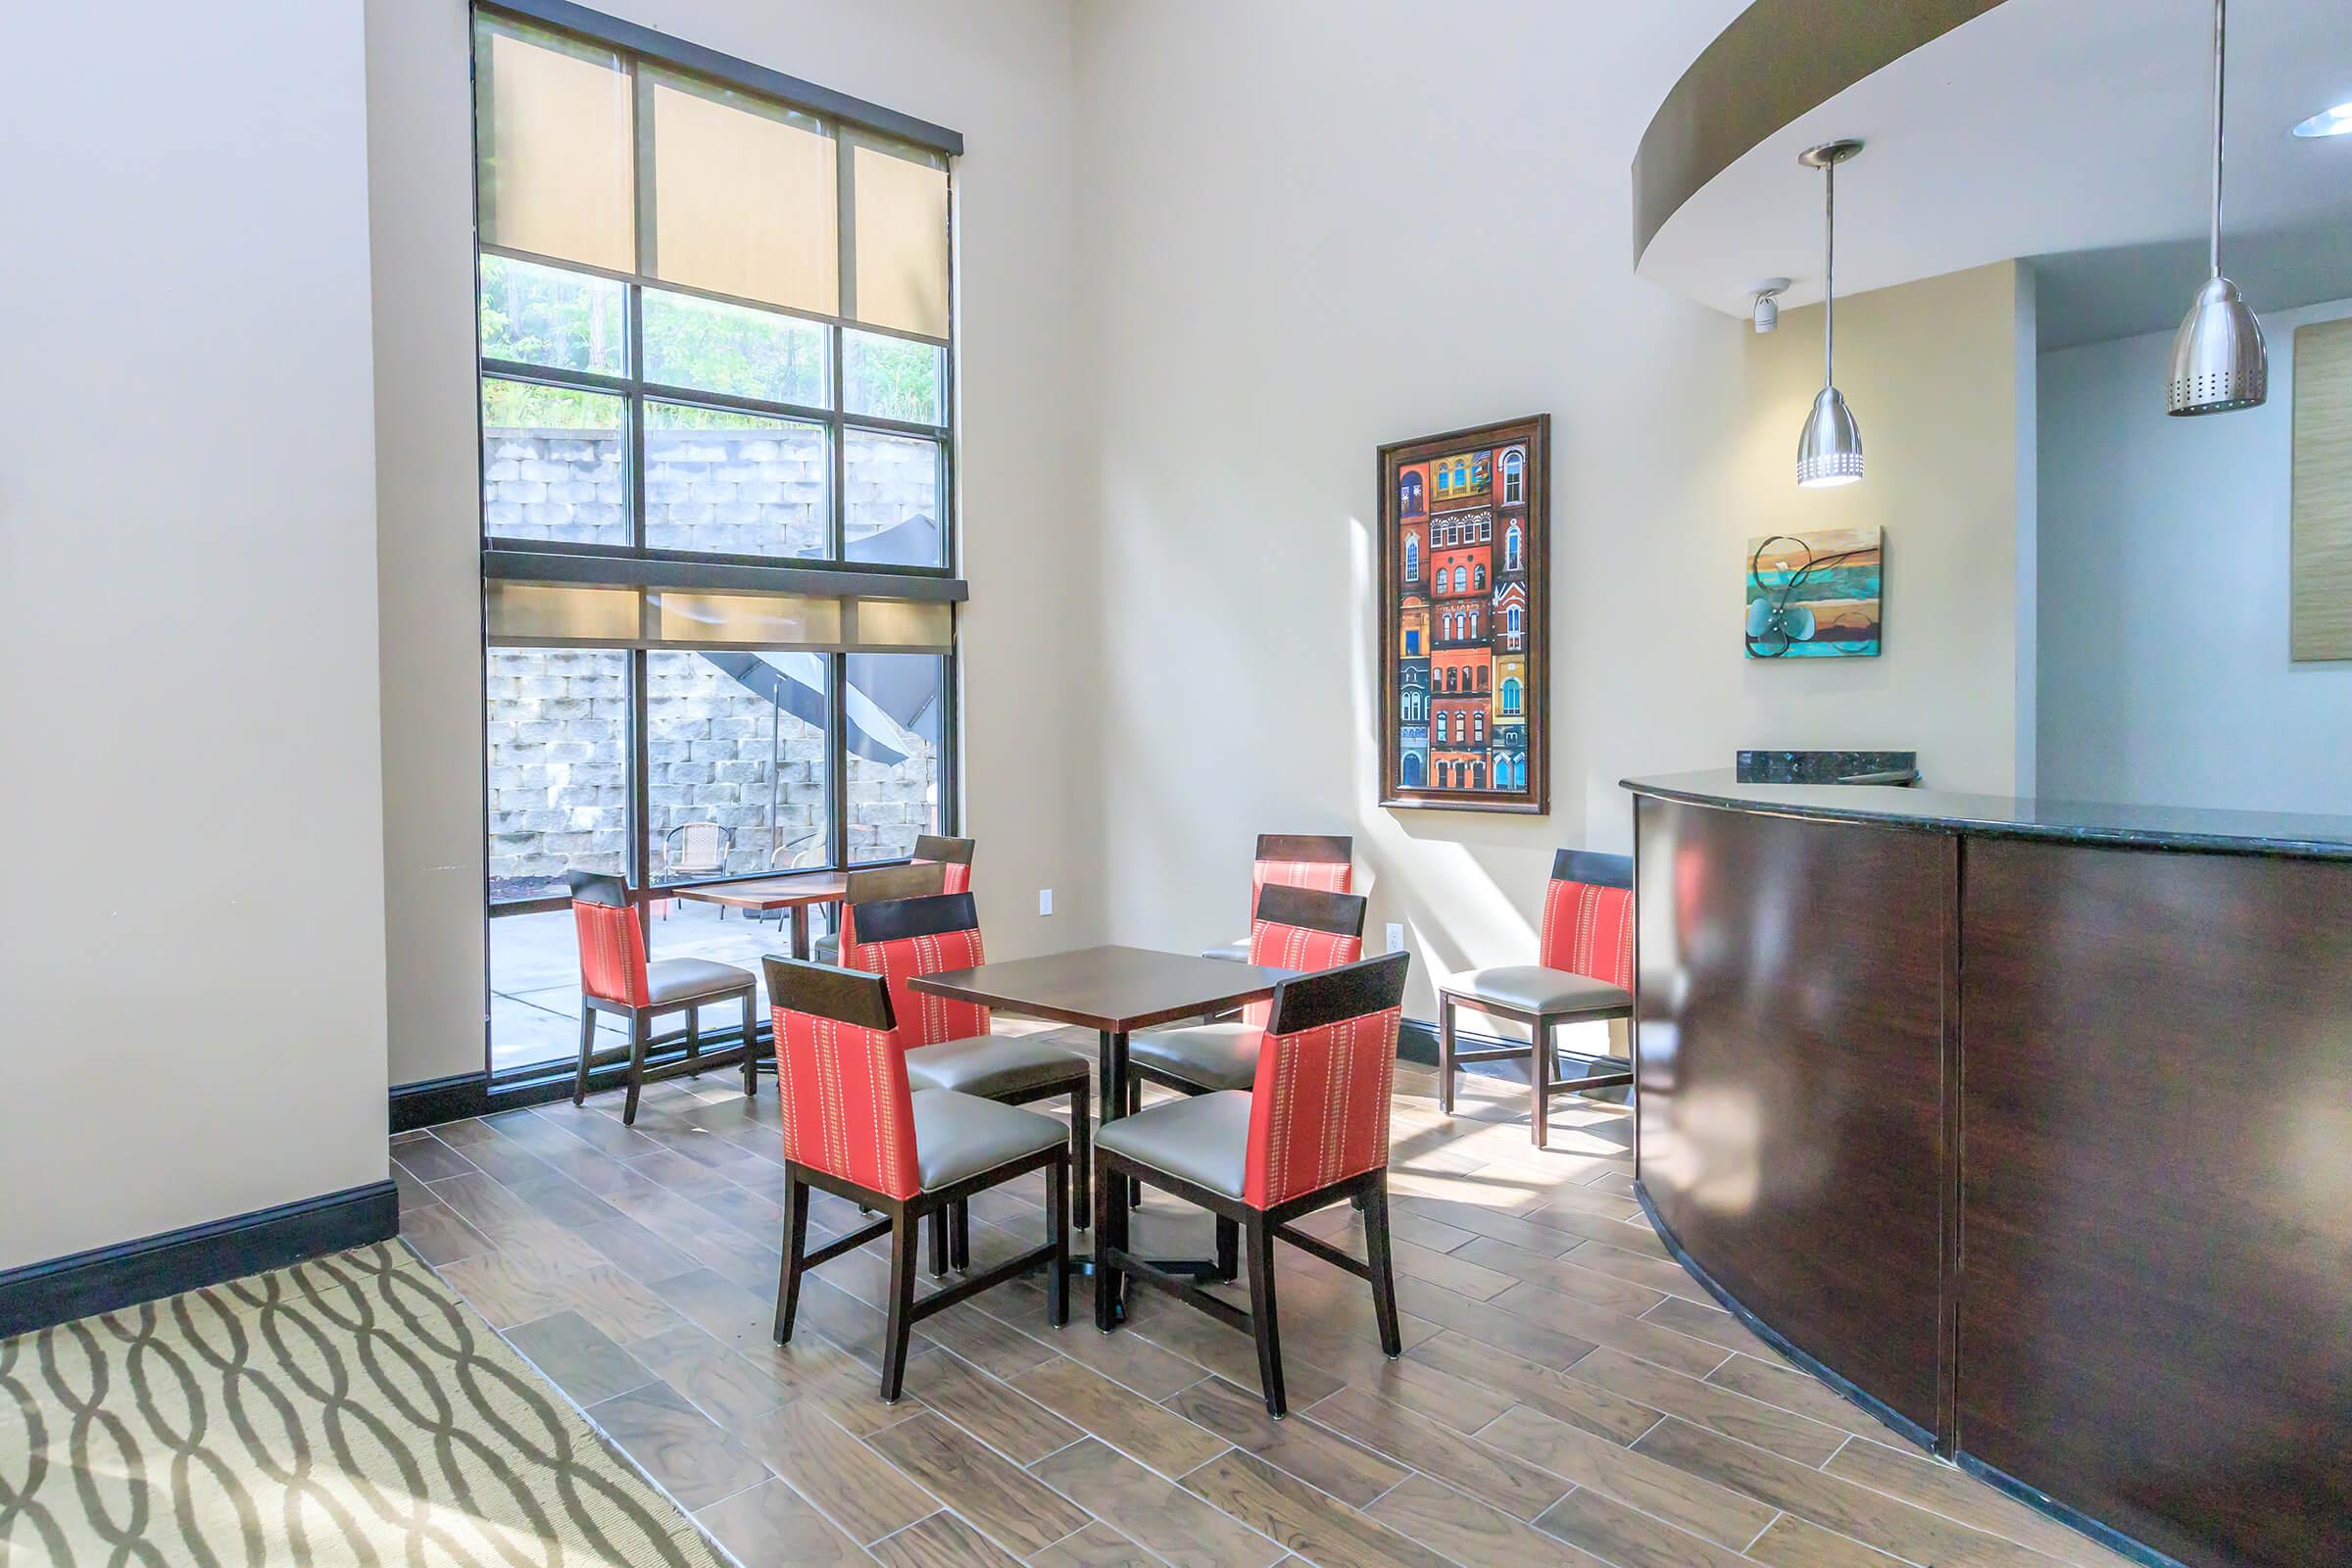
(1462, 606)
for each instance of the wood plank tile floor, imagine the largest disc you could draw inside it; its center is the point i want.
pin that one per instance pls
(1567, 1395)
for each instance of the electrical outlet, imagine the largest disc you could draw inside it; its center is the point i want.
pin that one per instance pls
(1396, 937)
(1045, 901)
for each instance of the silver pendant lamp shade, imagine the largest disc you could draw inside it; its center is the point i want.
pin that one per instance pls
(2220, 362)
(1830, 451)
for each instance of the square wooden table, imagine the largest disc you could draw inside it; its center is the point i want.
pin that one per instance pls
(1113, 991)
(795, 892)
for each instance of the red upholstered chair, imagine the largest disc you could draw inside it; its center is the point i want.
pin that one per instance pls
(1324, 862)
(947, 1043)
(953, 853)
(1295, 928)
(854, 1127)
(615, 978)
(908, 879)
(1584, 971)
(1311, 1131)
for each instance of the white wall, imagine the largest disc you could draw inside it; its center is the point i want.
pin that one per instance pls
(193, 1005)
(1312, 228)
(1000, 73)
(2165, 669)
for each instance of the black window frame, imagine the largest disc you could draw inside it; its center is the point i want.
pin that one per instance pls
(637, 566)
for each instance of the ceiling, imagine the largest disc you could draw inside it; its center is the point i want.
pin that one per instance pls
(2072, 131)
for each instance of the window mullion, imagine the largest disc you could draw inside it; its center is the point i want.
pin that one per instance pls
(837, 756)
(634, 440)
(839, 436)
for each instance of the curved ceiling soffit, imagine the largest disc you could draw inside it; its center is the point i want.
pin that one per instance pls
(1777, 60)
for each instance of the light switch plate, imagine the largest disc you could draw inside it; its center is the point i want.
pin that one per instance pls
(1045, 901)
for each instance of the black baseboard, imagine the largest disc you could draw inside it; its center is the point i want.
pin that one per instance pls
(2107, 1535)
(432, 1101)
(439, 1100)
(2074, 1519)
(1869, 1405)
(1417, 1041)
(38, 1296)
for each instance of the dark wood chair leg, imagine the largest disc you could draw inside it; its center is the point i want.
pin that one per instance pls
(1110, 1233)
(694, 1038)
(751, 1052)
(1229, 1248)
(938, 1242)
(1539, 1072)
(640, 1032)
(901, 1326)
(1376, 1254)
(1265, 1326)
(579, 1080)
(796, 1242)
(1135, 1103)
(959, 1235)
(1058, 1220)
(1445, 1053)
(1081, 1157)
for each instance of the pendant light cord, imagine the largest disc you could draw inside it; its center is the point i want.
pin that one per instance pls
(2219, 34)
(1829, 276)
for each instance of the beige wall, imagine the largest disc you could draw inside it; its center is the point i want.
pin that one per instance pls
(1304, 233)
(2167, 676)
(1002, 75)
(193, 1013)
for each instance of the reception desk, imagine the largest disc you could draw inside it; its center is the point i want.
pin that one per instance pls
(2029, 1126)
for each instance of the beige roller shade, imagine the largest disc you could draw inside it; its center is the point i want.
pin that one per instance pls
(2321, 579)
(556, 166)
(898, 229)
(743, 197)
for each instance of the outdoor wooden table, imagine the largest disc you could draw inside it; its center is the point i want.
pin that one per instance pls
(795, 892)
(1113, 991)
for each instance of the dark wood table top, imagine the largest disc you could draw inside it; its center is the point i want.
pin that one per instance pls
(766, 893)
(1110, 989)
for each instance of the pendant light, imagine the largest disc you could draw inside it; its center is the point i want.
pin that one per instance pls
(1830, 451)
(2220, 362)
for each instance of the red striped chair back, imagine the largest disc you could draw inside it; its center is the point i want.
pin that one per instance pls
(1319, 1109)
(1305, 929)
(902, 937)
(913, 880)
(611, 939)
(1320, 860)
(841, 1076)
(1589, 917)
(955, 854)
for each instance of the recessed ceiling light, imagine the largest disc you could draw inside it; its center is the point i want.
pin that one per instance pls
(2336, 121)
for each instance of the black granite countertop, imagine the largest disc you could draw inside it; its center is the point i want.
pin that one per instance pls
(2172, 827)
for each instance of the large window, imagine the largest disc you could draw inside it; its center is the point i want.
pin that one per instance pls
(717, 479)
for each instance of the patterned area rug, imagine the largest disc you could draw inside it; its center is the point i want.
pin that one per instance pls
(349, 1411)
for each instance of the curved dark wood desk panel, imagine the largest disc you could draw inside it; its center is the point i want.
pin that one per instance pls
(2031, 1122)
(1789, 1077)
(2156, 1324)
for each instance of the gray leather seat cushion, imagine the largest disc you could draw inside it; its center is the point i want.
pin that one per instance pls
(1203, 1140)
(989, 1065)
(826, 949)
(1215, 1055)
(1236, 951)
(1531, 988)
(670, 981)
(957, 1135)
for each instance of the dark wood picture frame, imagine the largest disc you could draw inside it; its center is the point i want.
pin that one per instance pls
(1424, 496)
